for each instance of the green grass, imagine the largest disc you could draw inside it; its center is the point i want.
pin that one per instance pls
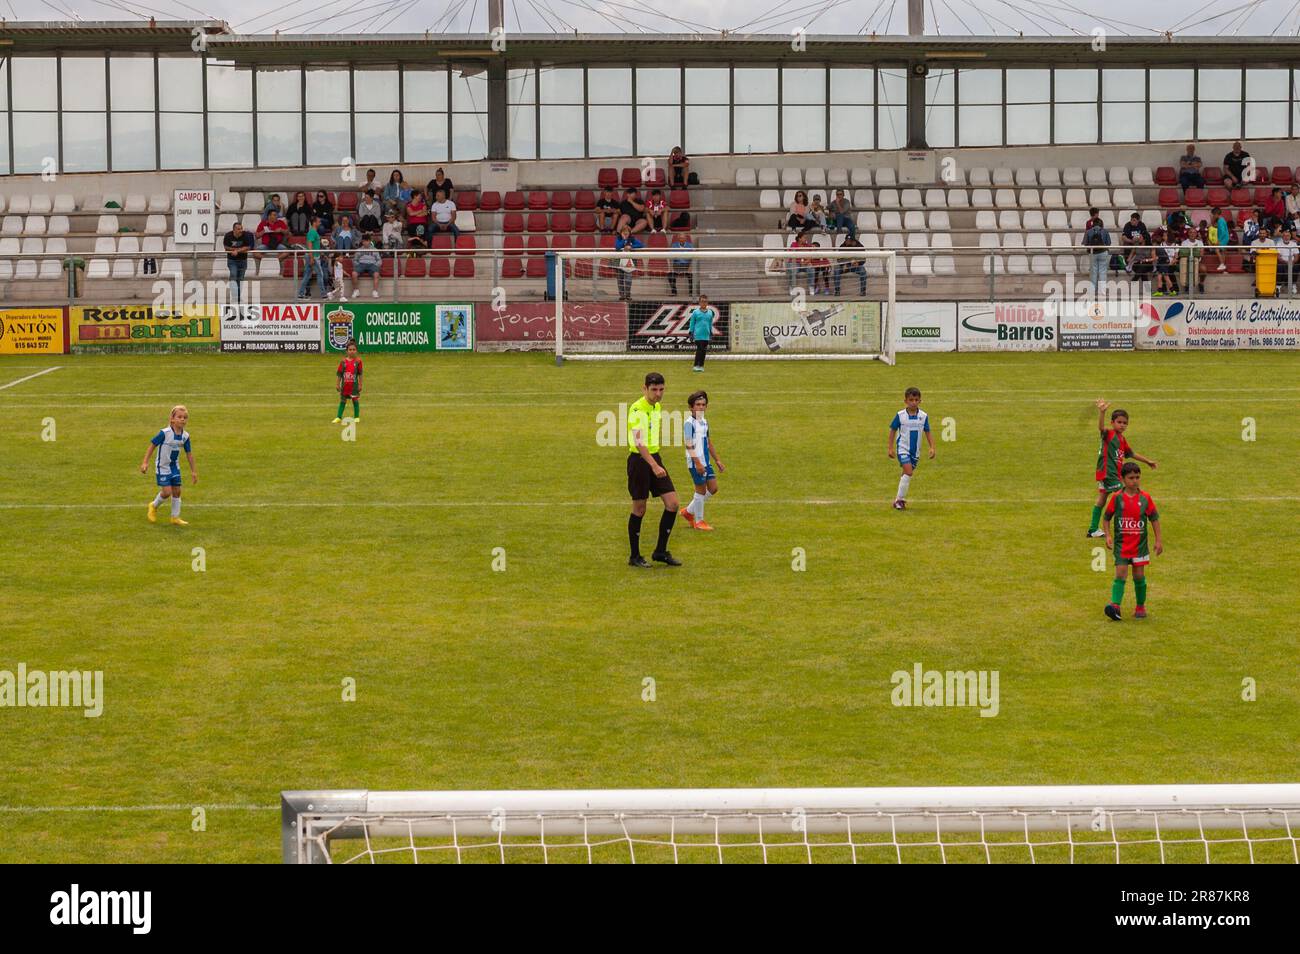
(224, 687)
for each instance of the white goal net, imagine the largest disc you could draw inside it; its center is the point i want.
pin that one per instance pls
(815, 302)
(1047, 824)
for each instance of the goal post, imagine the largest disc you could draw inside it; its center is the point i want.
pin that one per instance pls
(808, 303)
(1247, 823)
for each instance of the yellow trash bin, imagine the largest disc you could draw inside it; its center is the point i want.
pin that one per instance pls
(1266, 271)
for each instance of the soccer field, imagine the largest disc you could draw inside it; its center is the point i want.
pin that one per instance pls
(373, 560)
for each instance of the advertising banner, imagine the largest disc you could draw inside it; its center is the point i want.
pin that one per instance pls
(1005, 326)
(1100, 325)
(271, 327)
(665, 326)
(925, 326)
(32, 331)
(1185, 324)
(404, 326)
(532, 324)
(92, 327)
(762, 327)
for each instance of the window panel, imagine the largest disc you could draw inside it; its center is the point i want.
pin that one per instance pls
(230, 140)
(891, 125)
(1123, 86)
(131, 85)
(804, 128)
(36, 138)
(182, 140)
(1266, 120)
(35, 83)
(1076, 122)
(279, 91)
(562, 132)
(1171, 86)
(891, 87)
(375, 91)
(851, 127)
(1123, 122)
(425, 137)
(658, 128)
(707, 86)
(803, 86)
(1076, 86)
(1218, 120)
(1028, 125)
(609, 128)
(939, 88)
(327, 91)
(981, 88)
(1219, 85)
(4, 143)
(755, 126)
(657, 85)
(521, 87)
(85, 142)
(329, 138)
(560, 86)
(755, 87)
(468, 136)
(1028, 86)
(609, 86)
(981, 125)
(708, 129)
(424, 91)
(229, 90)
(377, 136)
(4, 91)
(279, 138)
(940, 129)
(521, 133)
(1171, 121)
(180, 84)
(468, 93)
(851, 87)
(133, 140)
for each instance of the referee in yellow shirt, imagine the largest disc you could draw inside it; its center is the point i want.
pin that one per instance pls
(646, 474)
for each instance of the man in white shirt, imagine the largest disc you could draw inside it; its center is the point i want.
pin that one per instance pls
(1287, 249)
(443, 211)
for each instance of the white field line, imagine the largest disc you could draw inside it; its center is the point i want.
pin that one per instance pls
(50, 809)
(30, 376)
(615, 501)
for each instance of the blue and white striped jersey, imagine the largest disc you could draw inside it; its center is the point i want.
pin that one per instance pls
(695, 435)
(909, 432)
(170, 444)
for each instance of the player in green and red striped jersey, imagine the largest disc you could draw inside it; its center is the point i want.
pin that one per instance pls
(1111, 455)
(1129, 515)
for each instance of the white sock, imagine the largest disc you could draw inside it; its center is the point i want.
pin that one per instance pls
(902, 486)
(176, 506)
(697, 506)
(157, 501)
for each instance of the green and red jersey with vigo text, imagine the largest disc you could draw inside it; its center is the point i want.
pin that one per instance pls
(1110, 457)
(1132, 515)
(349, 374)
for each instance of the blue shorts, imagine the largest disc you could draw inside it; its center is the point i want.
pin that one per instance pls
(908, 459)
(168, 480)
(699, 479)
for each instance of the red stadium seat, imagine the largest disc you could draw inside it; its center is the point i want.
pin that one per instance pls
(513, 245)
(512, 268)
(467, 200)
(607, 177)
(463, 267)
(1216, 196)
(1282, 176)
(512, 222)
(347, 265)
(631, 178)
(490, 201)
(1261, 175)
(415, 266)
(1212, 175)
(347, 202)
(465, 244)
(584, 222)
(535, 267)
(582, 266)
(1234, 264)
(584, 199)
(538, 244)
(561, 241)
(1262, 194)
(388, 266)
(1241, 198)
(561, 222)
(286, 268)
(657, 266)
(607, 269)
(1195, 198)
(656, 179)
(439, 267)
(685, 226)
(538, 222)
(679, 199)
(440, 244)
(1169, 198)
(1166, 176)
(560, 201)
(514, 201)
(539, 201)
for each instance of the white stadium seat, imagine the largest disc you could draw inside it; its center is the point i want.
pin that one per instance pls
(226, 222)
(97, 268)
(254, 202)
(107, 225)
(1017, 264)
(769, 199)
(1009, 219)
(1029, 199)
(1053, 199)
(791, 176)
(979, 176)
(35, 225)
(1073, 176)
(887, 199)
(268, 267)
(229, 202)
(1151, 218)
(864, 197)
(1060, 240)
(1142, 176)
(105, 245)
(90, 202)
(125, 267)
(1003, 177)
(911, 198)
(12, 225)
(26, 268)
(993, 264)
(958, 199)
(51, 268)
(920, 265)
(939, 220)
(1078, 219)
(940, 240)
(135, 203)
(1118, 175)
(1094, 176)
(918, 240)
(64, 203)
(1035, 240)
(860, 176)
(867, 222)
(769, 178)
(1107, 217)
(2, 203)
(466, 222)
(41, 204)
(990, 240)
(114, 197)
(1004, 199)
(1099, 197)
(914, 220)
(814, 178)
(8, 248)
(838, 178)
(1057, 219)
(892, 240)
(746, 178)
(1041, 265)
(1123, 198)
(171, 268)
(1032, 219)
(160, 202)
(891, 222)
(936, 198)
(985, 221)
(981, 198)
(885, 176)
(1026, 177)
(945, 265)
(251, 221)
(1076, 199)
(56, 246)
(155, 225)
(1013, 240)
(20, 204)
(33, 246)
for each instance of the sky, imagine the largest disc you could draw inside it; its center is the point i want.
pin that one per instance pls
(943, 17)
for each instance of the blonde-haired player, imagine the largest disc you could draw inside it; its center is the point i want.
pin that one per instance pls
(169, 442)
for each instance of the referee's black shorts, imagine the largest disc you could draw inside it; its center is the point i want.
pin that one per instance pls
(641, 480)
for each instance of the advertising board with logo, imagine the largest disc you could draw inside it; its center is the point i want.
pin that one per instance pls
(925, 326)
(666, 326)
(403, 326)
(1005, 326)
(271, 327)
(92, 327)
(776, 327)
(532, 324)
(33, 331)
(1101, 325)
(1191, 323)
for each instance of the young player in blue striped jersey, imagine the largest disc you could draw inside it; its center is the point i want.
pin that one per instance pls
(699, 448)
(169, 442)
(905, 432)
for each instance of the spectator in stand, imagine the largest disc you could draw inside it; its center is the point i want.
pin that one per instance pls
(299, 214)
(1287, 249)
(1143, 264)
(1251, 229)
(368, 262)
(1134, 237)
(1219, 237)
(439, 181)
(237, 242)
(392, 231)
(323, 209)
(817, 216)
(798, 212)
(1166, 255)
(345, 236)
(851, 265)
(679, 169)
(841, 214)
(607, 210)
(369, 185)
(1097, 240)
(681, 267)
(632, 213)
(417, 220)
(272, 232)
(1192, 252)
(626, 267)
(799, 271)
(443, 212)
(821, 267)
(370, 213)
(1234, 167)
(397, 193)
(1178, 221)
(315, 265)
(1189, 169)
(656, 210)
(1275, 208)
(273, 202)
(1293, 206)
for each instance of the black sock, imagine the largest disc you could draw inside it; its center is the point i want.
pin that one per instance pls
(665, 527)
(634, 533)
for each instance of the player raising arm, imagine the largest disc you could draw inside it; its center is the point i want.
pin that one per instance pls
(1110, 459)
(169, 442)
(905, 432)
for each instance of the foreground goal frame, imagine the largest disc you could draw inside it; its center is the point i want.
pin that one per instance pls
(885, 353)
(501, 822)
